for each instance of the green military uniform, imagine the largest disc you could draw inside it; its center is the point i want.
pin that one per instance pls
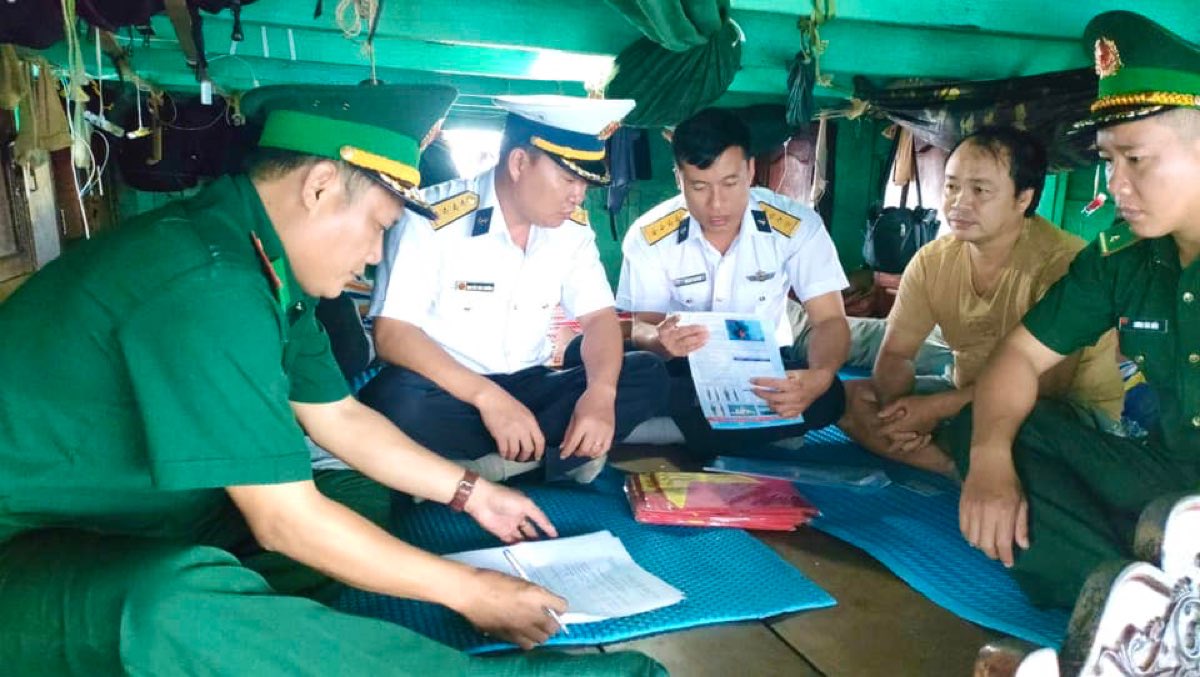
(144, 372)
(1086, 489)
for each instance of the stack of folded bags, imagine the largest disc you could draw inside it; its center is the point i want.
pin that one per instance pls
(717, 500)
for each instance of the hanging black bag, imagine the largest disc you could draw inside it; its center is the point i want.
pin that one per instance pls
(894, 234)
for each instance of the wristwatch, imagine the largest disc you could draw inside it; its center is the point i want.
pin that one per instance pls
(465, 486)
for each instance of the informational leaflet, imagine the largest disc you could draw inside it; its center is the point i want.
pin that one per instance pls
(594, 572)
(740, 347)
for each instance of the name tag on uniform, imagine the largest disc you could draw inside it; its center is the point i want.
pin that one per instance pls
(1133, 325)
(475, 286)
(690, 279)
(760, 276)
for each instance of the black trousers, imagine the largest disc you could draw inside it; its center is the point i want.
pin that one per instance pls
(454, 429)
(703, 441)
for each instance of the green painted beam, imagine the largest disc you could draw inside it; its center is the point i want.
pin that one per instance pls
(500, 47)
(876, 51)
(278, 42)
(165, 69)
(550, 24)
(1048, 18)
(796, 7)
(973, 56)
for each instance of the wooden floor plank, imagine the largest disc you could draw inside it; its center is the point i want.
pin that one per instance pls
(880, 626)
(721, 650)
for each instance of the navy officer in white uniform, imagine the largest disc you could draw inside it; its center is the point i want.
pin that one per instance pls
(463, 306)
(724, 246)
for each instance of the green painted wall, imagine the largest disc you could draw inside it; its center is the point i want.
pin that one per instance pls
(861, 154)
(1066, 194)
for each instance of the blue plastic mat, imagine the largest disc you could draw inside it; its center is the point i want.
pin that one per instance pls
(911, 526)
(726, 574)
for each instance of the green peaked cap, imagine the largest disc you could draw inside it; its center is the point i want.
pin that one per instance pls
(380, 129)
(1144, 68)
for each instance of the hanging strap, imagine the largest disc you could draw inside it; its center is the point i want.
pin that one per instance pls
(185, 19)
(915, 176)
(820, 163)
(181, 21)
(916, 160)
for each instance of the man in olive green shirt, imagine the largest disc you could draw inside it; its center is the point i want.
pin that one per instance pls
(1069, 496)
(158, 514)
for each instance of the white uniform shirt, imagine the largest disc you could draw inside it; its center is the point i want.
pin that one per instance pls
(669, 266)
(473, 291)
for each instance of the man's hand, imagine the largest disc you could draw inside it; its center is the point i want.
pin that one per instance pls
(516, 431)
(507, 513)
(509, 608)
(678, 340)
(992, 512)
(908, 421)
(790, 396)
(590, 432)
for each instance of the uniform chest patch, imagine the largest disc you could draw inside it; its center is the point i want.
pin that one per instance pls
(760, 276)
(454, 208)
(689, 279)
(1132, 325)
(463, 285)
(657, 230)
(781, 221)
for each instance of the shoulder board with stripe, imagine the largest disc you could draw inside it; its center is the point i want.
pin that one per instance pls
(580, 216)
(454, 208)
(1119, 237)
(781, 221)
(657, 230)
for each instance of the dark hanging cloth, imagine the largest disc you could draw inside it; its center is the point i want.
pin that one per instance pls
(687, 61)
(675, 25)
(1046, 105)
(625, 147)
(437, 166)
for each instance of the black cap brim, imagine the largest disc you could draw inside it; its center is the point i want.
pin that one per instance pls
(409, 196)
(1116, 116)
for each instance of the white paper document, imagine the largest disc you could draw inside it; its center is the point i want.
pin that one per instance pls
(593, 572)
(740, 347)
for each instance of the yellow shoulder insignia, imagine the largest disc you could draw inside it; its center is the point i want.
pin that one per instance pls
(653, 232)
(580, 216)
(454, 208)
(780, 220)
(1119, 237)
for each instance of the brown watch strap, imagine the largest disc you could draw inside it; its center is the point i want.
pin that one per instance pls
(465, 486)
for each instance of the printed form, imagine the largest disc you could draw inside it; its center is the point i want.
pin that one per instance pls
(594, 572)
(740, 347)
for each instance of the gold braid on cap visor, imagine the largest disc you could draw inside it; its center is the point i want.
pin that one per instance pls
(590, 176)
(1146, 99)
(387, 166)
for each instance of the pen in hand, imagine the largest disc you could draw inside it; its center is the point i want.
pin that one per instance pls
(516, 566)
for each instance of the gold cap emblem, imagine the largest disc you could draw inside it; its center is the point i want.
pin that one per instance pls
(1108, 59)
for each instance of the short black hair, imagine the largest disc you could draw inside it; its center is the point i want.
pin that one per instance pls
(700, 139)
(1025, 153)
(507, 147)
(270, 163)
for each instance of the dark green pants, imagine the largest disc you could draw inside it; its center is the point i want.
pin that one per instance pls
(75, 602)
(1085, 489)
